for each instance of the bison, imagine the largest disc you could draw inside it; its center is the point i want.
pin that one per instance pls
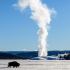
(13, 64)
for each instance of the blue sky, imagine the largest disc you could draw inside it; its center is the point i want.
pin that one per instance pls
(19, 32)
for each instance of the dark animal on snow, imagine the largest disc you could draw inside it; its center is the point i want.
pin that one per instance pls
(13, 64)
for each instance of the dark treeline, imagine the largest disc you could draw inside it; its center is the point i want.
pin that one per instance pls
(26, 54)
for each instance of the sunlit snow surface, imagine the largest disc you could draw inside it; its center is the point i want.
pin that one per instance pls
(37, 65)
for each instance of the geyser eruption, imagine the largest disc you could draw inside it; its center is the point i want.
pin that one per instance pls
(42, 15)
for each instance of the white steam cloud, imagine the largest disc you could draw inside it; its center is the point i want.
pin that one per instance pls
(42, 15)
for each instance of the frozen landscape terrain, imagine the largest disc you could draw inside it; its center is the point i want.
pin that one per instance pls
(37, 65)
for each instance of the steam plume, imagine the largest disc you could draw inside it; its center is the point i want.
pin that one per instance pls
(42, 15)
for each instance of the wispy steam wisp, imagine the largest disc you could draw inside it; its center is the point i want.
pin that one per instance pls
(42, 15)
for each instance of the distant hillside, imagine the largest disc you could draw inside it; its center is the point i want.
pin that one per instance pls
(4, 55)
(50, 53)
(26, 54)
(18, 54)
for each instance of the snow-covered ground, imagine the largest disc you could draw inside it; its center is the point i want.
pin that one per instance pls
(37, 65)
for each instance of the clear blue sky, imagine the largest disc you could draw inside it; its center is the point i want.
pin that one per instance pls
(19, 32)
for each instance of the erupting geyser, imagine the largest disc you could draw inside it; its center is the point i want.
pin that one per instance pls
(42, 15)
